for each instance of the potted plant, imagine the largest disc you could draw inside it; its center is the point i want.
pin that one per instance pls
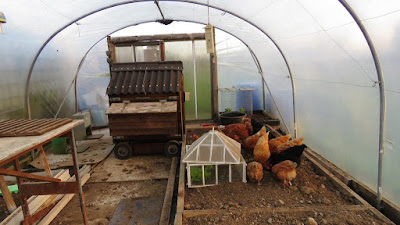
(229, 116)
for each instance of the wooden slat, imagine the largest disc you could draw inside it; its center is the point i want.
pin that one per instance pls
(34, 202)
(128, 132)
(82, 172)
(142, 107)
(149, 125)
(34, 123)
(28, 123)
(7, 195)
(143, 117)
(61, 204)
(4, 124)
(274, 210)
(12, 128)
(166, 209)
(28, 175)
(44, 188)
(45, 163)
(53, 126)
(43, 122)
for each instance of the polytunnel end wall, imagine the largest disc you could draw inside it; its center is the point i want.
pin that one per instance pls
(305, 123)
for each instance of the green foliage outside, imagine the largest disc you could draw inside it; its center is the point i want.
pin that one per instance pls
(242, 110)
(196, 173)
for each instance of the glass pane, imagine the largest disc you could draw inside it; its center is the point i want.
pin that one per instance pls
(207, 140)
(204, 153)
(191, 156)
(223, 174)
(209, 174)
(228, 157)
(217, 154)
(124, 54)
(237, 173)
(196, 175)
(148, 53)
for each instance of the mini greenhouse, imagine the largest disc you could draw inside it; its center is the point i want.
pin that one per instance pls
(214, 158)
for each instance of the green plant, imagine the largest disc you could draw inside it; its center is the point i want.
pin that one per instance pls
(196, 173)
(228, 110)
(242, 110)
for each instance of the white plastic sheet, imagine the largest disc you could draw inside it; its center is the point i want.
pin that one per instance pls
(337, 97)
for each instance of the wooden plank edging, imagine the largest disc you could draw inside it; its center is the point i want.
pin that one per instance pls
(282, 210)
(169, 192)
(181, 186)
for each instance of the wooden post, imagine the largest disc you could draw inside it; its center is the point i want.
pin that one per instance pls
(44, 161)
(24, 201)
(162, 50)
(78, 179)
(230, 173)
(166, 208)
(216, 173)
(7, 195)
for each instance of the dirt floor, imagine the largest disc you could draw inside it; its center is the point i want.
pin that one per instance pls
(312, 195)
(103, 198)
(3, 208)
(114, 180)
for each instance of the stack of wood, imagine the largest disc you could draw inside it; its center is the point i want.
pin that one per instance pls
(38, 202)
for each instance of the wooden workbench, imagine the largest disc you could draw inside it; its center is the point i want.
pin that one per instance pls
(11, 148)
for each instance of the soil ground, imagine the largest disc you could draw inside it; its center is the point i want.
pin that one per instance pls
(103, 198)
(241, 203)
(114, 180)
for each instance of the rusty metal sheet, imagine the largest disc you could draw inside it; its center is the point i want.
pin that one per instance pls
(144, 211)
(44, 188)
(145, 77)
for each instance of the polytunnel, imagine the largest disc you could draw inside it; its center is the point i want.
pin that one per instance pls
(328, 69)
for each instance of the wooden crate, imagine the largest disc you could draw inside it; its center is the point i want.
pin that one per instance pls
(143, 118)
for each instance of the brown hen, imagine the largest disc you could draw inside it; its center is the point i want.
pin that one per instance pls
(251, 141)
(237, 131)
(255, 172)
(285, 171)
(292, 143)
(261, 150)
(274, 143)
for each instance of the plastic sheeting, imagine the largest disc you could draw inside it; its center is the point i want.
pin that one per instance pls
(196, 75)
(336, 91)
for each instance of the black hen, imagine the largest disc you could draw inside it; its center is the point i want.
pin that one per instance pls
(293, 154)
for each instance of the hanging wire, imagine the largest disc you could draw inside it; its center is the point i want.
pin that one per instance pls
(159, 9)
(366, 73)
(79, 31)
(208, 9)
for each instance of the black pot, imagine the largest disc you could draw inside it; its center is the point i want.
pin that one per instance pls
(231, 117)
